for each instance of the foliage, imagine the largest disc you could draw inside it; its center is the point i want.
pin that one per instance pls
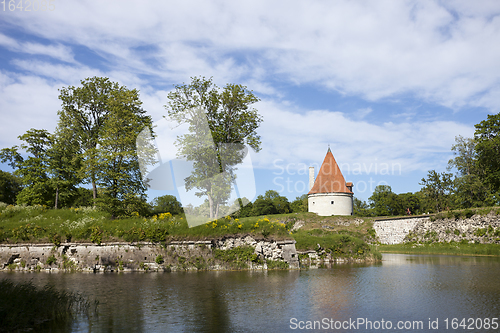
(487, 136)
(361, 208)
(166, 204)
(159, 259)
(214, 150)
(469, 187)
(238, 256)
(338, 245)
(10, 186)
(452, 248)
(101, 120)
(34, 170)
(26, 307)
(277, 264)
(51, 260)
(384, 202)
(300, 204)
(438, 189)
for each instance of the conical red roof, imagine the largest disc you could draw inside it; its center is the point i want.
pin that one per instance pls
(329, 179)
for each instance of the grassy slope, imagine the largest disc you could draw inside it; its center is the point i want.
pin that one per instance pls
(38, 224)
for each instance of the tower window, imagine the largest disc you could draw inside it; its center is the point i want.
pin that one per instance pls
(332, 202)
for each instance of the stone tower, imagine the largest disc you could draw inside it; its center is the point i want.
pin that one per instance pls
(330, 194)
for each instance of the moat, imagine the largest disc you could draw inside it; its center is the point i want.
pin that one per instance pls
(412, 289)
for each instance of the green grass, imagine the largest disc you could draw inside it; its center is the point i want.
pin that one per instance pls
(452, 248)
(337, 244)
(25, 307)
(20, 224)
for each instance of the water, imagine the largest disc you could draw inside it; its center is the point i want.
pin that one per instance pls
(406, 288)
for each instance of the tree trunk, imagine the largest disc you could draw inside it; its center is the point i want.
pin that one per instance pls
(211, 206)
(57, 197)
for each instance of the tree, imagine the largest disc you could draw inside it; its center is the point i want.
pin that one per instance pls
(84, 110)
(384, 202)
(409, 201)
(216, 146)
(118, 167)
(438, 189)
(487, 137)
(105, 120)
(280, 203)
(263, 206)
(34, 170)
(469, 188)
(361, 208)
(64, 162)
(166, 204)
(10, 186)
(300, 204)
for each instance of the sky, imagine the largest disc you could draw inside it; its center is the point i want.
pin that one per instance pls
(387, 85)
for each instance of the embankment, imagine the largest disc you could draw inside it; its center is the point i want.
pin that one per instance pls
(177, 255)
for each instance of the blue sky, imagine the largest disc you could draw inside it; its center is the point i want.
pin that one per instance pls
(387, 84)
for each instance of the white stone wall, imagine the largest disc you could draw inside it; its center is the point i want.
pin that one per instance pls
(394, 231)
(321, 204)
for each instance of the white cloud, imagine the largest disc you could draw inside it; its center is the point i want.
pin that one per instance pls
(57, 51)
(303, 138)
(446, 53)
(27, 102)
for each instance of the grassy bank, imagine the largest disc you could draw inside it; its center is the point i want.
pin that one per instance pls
(39, 224)
(344, 236)
(19, 224)
(337, 245)
(451, 248)
(25, 307)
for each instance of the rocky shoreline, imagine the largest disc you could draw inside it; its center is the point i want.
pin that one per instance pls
(174, 256)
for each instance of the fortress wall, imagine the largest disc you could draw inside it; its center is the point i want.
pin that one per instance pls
(484, 229)
(182, 255)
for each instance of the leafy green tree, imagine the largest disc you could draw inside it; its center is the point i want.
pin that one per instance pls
(33, 170)
(469, 187)
(438, 189)
(84, 111)
(300, 204)
(64, 162)
(217, 150)
(487, 137)
(409, 201)
(263, 206)
(280, 203)
(166, 204)
(119, 174)
(384, 202)
(10, 186)
(82, 198)
(246, 208)
(361, 208)
(105, 120)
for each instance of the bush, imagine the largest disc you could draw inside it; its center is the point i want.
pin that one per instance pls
(25, 307)
(159, 259)
(51, 260)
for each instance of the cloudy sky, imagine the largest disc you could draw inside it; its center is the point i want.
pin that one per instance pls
(387, 84)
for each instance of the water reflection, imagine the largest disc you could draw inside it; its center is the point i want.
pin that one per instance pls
(403, 287)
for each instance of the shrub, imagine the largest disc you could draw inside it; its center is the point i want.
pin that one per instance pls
(96, 235)
(159, 259)
(468, 213)
(480, 232)
(51, 260)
